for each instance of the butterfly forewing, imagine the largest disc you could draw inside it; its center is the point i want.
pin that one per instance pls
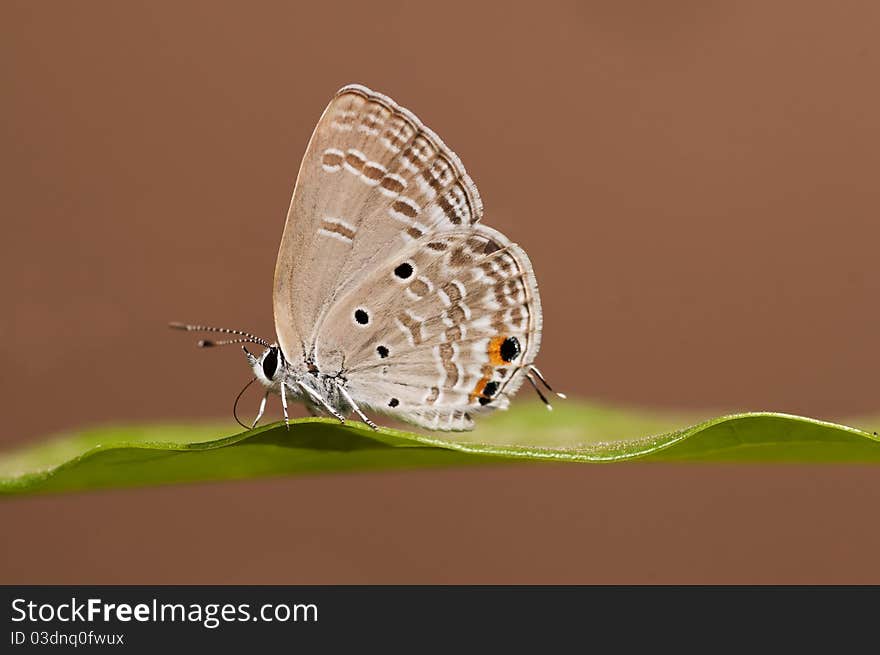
(385, 279)
(372, 180)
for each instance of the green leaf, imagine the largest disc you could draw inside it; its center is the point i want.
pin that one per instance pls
(575, 432)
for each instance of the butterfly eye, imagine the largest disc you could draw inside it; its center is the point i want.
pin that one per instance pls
(270, 363)
(404, 270)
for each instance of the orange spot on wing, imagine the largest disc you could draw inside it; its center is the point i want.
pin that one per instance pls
(478, 389)
(494, 351)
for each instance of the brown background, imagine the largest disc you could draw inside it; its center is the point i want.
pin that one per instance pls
(696, 184)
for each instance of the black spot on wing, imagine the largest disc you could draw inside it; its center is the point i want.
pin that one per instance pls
(404, 270)
(489, 390)
(510, 349)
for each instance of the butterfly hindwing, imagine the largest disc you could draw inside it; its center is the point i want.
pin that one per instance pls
(443, 329)
(373, 179)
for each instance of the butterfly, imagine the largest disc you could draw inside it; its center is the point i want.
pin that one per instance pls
(390, 296)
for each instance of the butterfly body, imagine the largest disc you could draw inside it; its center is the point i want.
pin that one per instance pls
(299, 381)
(389, 295)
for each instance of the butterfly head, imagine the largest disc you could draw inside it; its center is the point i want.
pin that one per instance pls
(268, 365)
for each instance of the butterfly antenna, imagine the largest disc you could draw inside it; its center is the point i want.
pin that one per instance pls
(208, 343)
(537, 372)
(246, 337)
(235, 404)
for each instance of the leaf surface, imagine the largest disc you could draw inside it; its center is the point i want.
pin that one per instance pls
(120, 456)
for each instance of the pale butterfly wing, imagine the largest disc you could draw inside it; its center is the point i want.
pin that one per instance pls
(373, 177)
(378, 196)
(448, 327)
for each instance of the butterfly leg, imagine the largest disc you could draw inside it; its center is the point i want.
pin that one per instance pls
(318, 400)
(284, 406)
(262, 409)
(357, 409)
